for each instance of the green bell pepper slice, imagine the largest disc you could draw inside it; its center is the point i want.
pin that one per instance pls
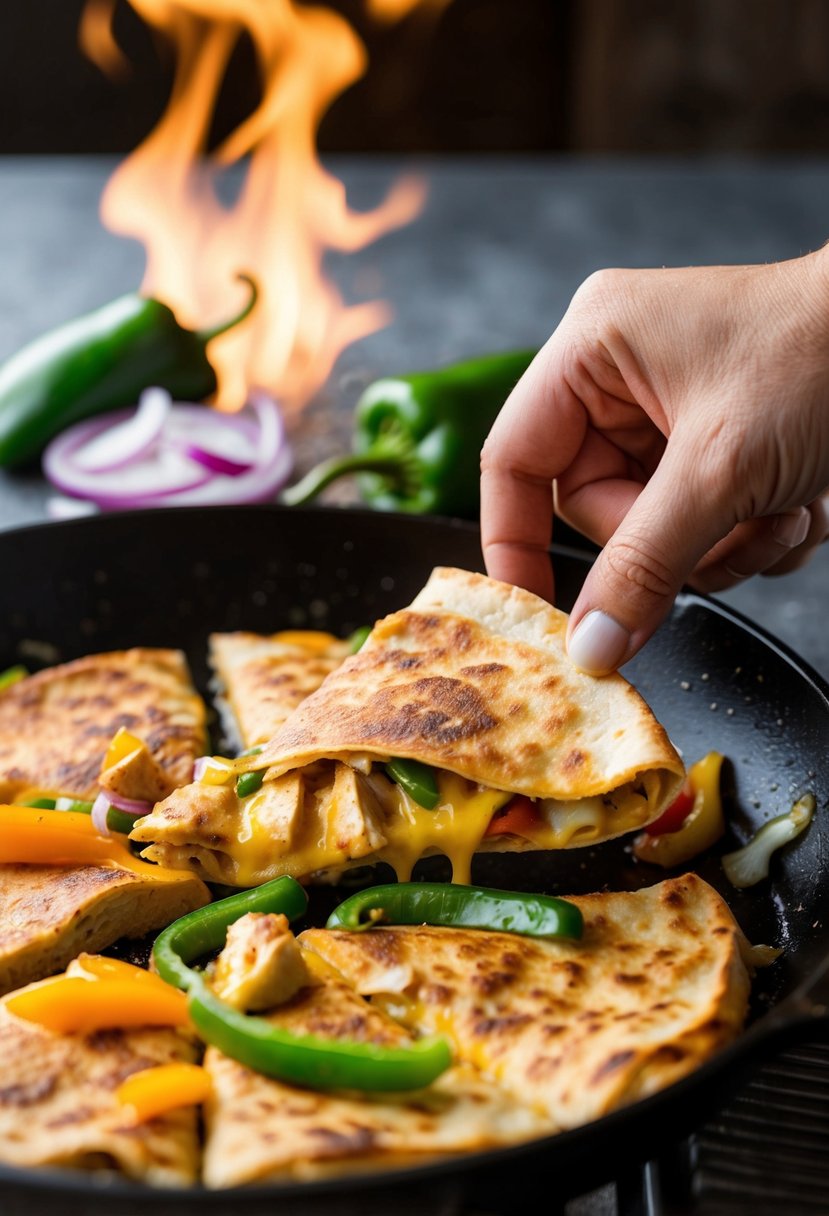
(306, 1060)
(430, 903)
(117, 821)
(249, 783)
(13, 675)
(418, 780)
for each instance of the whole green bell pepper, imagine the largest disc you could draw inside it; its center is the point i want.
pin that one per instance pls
(101, 362)
(418, 438)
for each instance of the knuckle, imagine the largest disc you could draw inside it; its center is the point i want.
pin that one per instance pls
(637, 564)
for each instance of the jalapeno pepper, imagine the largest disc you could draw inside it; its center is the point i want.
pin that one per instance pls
(418, 438)
(307, 1060)
(418, 780)
(433, 903)
(100, 362)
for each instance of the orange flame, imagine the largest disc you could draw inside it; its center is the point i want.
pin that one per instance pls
(289, 210)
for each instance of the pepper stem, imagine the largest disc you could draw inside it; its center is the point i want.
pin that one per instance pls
(207, 335)
(391, 455)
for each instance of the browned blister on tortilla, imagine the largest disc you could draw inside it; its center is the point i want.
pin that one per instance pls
(55, 726)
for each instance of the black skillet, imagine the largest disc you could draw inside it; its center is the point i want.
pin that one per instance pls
(168, 578)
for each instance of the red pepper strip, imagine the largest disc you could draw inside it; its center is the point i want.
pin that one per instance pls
(517, 818)
(673, 817)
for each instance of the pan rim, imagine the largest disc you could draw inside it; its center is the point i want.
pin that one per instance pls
(55, 1180)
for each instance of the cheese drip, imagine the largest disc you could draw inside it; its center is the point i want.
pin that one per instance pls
(341, 816)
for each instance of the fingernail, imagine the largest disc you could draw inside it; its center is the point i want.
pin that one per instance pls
(598, 644)
(791, 528)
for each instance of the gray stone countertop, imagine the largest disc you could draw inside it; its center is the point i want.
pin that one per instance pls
(491, 264)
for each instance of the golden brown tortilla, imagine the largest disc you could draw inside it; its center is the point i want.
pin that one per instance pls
(58, 1105)
(55, 726)
(575, 1029)
(52, 913)
(263, 678)
(473, 680)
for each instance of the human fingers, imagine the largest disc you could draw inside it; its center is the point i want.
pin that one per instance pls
(817, 535)
(675, 519)
(752, 547)
(535, 437)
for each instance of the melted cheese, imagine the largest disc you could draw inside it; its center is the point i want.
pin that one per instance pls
(455, 828)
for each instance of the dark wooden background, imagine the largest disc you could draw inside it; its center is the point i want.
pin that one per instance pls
(488, 75)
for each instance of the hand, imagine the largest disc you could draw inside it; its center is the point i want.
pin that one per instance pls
(683, 417)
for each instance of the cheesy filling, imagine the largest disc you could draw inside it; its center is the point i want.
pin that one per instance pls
(343, 815)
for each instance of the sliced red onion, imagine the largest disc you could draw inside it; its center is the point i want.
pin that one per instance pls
(130, 440)
(252, 442)
(215, 462)
(100, 811)
(131, 806)
(199, 767)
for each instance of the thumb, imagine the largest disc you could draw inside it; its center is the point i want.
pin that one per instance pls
(630, 589)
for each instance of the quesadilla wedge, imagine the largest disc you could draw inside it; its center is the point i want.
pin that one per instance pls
(656, 985)
(55, 726)
(259, 1128)
(261, 679)
(471, 683)
(51, 913)
(58, 1105)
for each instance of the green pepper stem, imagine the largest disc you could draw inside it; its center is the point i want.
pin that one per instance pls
(392, 455)
(207, 335)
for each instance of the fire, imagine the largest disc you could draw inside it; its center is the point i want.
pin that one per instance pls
(289, 211)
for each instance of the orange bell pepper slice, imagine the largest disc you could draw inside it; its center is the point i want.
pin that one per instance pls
(70, 1004)
(154, 1091)
(314, 640)
(32, 836)
(101, 967)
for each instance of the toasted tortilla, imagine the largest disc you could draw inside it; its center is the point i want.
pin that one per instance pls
(574, 1029)
(260, 1129)
(52, 913)
(58, 1105)
(55, 726)
(263, 678)
(473, 680)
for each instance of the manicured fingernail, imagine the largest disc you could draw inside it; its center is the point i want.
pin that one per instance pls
(792, 528)
(599, 644)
